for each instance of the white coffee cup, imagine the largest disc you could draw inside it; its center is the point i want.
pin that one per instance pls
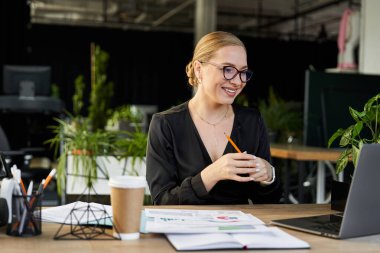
(127, 198)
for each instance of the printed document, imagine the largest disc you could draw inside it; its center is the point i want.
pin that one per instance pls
(198, 221)
(216, 229)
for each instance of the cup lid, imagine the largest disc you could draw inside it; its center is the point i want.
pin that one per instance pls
(127, 182)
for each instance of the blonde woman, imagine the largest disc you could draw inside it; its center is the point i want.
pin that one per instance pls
(189, 158)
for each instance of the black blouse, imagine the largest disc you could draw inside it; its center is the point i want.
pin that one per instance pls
(176, 156)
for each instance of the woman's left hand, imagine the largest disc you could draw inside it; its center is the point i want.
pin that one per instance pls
(263, 171)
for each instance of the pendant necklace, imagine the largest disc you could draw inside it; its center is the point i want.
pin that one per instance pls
(215, 123)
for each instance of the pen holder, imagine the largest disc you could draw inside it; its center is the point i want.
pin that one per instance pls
(26, 216)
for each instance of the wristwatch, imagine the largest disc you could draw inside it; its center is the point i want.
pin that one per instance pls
(273, 178)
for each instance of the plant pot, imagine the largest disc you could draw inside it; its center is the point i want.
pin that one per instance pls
(81, 152)
(339, 194)
(107, 166)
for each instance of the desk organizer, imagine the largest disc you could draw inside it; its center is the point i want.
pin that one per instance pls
(26, 216)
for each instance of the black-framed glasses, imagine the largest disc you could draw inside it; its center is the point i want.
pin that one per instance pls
(229, 72)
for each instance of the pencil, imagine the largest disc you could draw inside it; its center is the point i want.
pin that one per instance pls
(39, 191)
(22, 187)
(49, 177)
(232, 143)
(40, 187)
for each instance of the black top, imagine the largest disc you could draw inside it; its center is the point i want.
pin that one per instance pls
(176, 156)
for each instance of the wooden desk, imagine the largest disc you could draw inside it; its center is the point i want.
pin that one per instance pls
(158, 244)
(299, 153)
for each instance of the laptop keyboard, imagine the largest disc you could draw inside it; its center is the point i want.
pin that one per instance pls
(331, 227)
(328, 225)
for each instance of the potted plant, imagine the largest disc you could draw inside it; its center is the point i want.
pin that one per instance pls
(365, 129)
(84, 136)
(125, 117)
(282, 118)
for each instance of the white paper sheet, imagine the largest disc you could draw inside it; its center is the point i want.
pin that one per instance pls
(77, 213)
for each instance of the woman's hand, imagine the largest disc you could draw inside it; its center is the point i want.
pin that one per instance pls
(241, 167)
(263, 171)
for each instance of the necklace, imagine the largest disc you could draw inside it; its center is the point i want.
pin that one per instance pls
(215, 123)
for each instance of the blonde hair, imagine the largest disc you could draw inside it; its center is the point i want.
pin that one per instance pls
(206, 48)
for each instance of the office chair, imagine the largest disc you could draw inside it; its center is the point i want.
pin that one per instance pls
(23, 158)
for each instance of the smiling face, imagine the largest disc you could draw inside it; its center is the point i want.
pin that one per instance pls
(213, 84)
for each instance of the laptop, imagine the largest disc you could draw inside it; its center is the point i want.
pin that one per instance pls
(361, 214)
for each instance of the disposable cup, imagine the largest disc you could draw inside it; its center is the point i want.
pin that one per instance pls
(127, 197)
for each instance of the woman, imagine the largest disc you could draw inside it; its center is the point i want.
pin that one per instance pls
(189, 158)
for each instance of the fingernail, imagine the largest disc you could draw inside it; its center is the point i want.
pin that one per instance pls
(257, 169)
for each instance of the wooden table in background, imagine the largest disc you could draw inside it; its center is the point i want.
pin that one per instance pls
(300, 153)
(158, 244)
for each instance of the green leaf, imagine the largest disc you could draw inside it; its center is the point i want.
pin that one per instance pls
(355, 114)
(342, 160)
(346, 137)
(338, 133)
(360, 145)
(368, 105)
(357, 129)
(355, 155)
(371, 114)
(341, 164)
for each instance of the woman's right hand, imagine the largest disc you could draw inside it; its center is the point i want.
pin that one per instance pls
(232, 166)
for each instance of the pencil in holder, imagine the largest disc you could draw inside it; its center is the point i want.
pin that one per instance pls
(26, 215)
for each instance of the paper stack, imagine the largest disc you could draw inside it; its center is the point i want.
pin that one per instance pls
(78, 213)
(216, 229)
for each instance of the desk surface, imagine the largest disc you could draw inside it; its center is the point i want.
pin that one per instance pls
(304, 153)
(158, 244)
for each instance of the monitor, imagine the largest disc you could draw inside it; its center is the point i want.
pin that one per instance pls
(26, 81)
(328, 97)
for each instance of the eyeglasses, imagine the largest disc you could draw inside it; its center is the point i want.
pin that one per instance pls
(230, 72)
